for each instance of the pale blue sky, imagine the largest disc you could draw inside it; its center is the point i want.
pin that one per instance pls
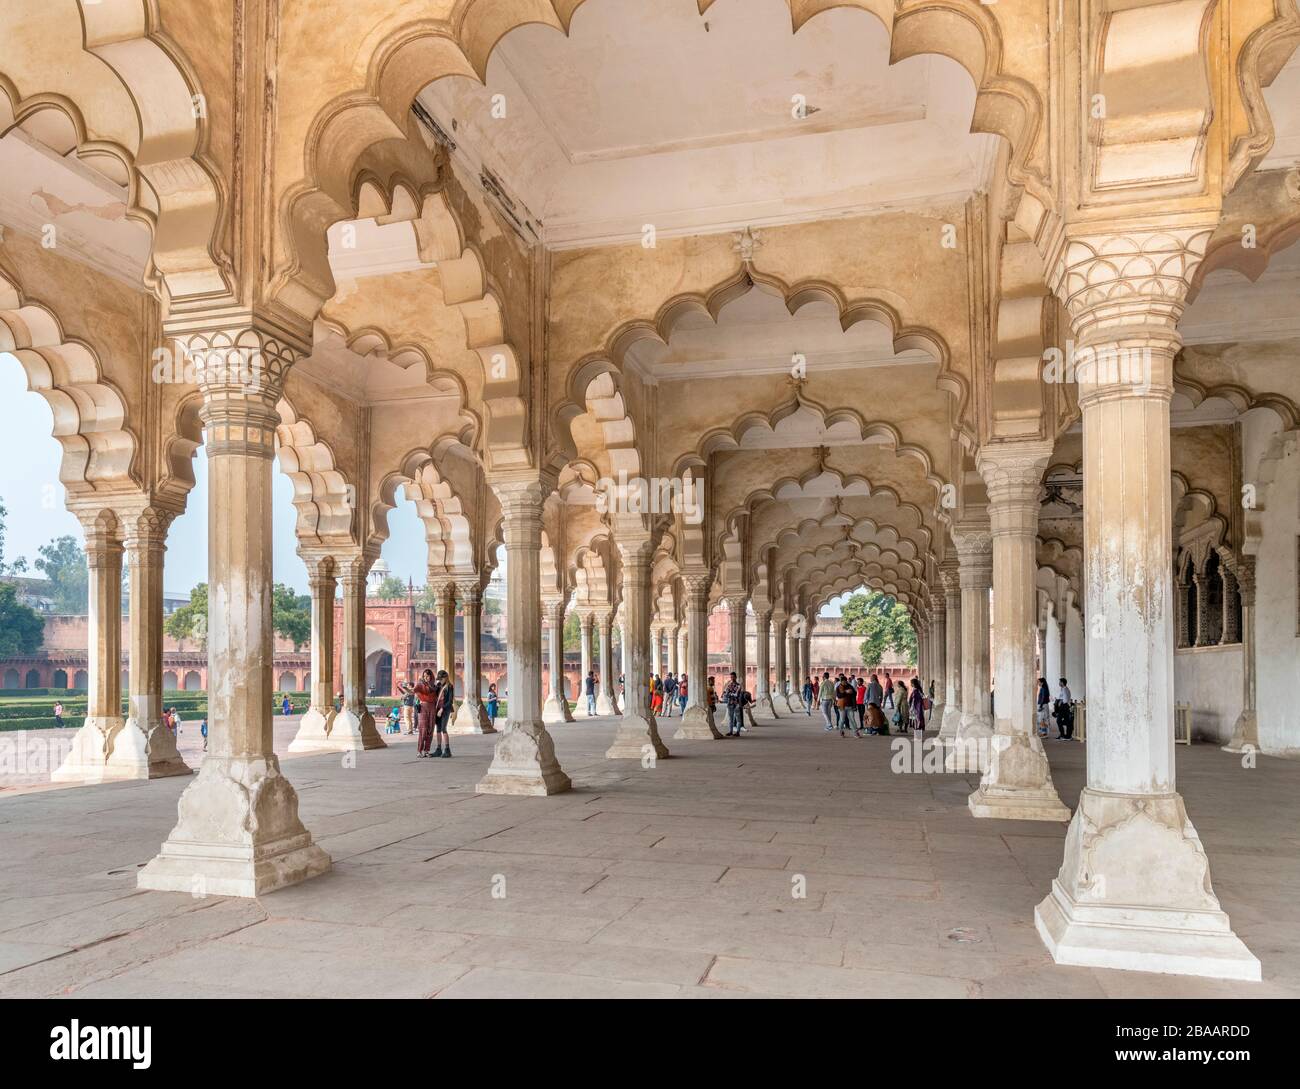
(30, 488)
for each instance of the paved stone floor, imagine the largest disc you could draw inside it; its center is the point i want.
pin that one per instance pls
(668, 881)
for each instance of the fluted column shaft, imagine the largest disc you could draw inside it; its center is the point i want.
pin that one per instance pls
(638, 733)
(762, 654)
(697, 723)
(585, 629)
(1017, 784)
(1134, 888)
(95, 741)
(556, 708)
(524, 759)
(1245, 731)
(949, 573)
(472, 717)
(607, 692)
(238, 831)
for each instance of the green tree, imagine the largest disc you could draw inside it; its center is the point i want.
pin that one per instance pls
(291, 614)
(391, 587)
(22, 630)
(63, 562)
(573, 635)
(885, 623)
(191, 621)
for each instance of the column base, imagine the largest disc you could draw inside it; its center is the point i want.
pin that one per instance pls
(347, 731)
(1134, 893)
(948, 725)
(1245, 734)
(696, 725)
(796, 708)
(765, 706)
(238, 834)
(635, 734)
(524, 763)
(144, 753)
(556, 710)
(471, 717)
(605, 707)
(1018, 784)
(969, 750)
(87, 760)
(748, 715)
(314, 730)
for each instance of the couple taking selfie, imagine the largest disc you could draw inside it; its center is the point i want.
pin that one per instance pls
(436, 699)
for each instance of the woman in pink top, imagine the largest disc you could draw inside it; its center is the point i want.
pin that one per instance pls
(862, 702)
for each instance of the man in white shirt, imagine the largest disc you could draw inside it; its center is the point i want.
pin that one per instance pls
(1063, 713)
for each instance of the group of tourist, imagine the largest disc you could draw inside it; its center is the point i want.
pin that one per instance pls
(666, 693)
(436, 698)
(855, 703)
(1062, 709)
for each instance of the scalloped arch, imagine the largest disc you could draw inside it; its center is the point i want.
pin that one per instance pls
(449, 531)
(172, 187)
(346, 130)
(90, 415)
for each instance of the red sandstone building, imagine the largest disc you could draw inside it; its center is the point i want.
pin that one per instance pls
(400, 643)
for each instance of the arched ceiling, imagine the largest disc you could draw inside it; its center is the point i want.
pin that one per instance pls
(654, 113)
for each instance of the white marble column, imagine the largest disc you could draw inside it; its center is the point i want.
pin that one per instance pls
(607, 690)
(524, 759)
(1245, 731)
(798, 669)
(621, 623)
(238, 831)
(638, 733)
(586, 623)
(736, 619)
(1134, 888)
(1018, 783)
(974, 541)
(87, 760)
(556, 708)
(683, 650)
(317, 722)
(950, 575)
(697, 722)
(471, 716)
(939, 650)
(781, 694)
(444, 603)
(762, 653)
(353, 727)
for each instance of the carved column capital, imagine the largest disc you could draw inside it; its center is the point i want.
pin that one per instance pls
(144, 532)
(635, 550)
(443, 590)
(697, 584)
(1013, 476)
(469, 592)
(1129, 278)
(521, 500)
(353, 569)
(1245, 575)
(239, 358)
